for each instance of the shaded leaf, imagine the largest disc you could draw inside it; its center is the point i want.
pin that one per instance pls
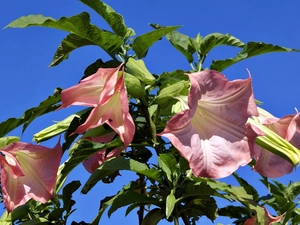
(142, 43)
(251, 49)
(67, 193)
(130, 197)
(36, 221)
(153, 217)
(119, 163)
(81, 152)
(46, 106)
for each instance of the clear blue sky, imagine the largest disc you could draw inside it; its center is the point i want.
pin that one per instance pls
(26, 54)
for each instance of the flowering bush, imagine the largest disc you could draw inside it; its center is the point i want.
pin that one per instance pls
(196, 125)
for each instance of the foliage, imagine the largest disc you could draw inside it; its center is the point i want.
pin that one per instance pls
(172, 189)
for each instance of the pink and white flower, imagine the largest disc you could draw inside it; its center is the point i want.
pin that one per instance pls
(212, 134)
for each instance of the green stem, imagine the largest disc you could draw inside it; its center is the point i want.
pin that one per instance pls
(176, 222)
(193, 68)
(201, 61)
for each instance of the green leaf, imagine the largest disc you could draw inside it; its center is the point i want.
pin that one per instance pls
(168, 164)
(138, 69)
(115, 20)
(134, 87)
(46, 106)
(130, 197)
(68, 44)
(67, 193)
(215, 39)
(119, 163)
(17, 214)
(153, 217)
(170, 204)
(170, 92)
(203, 206)
(81, 152)
(83, 33)
(56, 128)
(182, 43)
(251, 49)
(7, 140)
(142, 43)
(248, 188)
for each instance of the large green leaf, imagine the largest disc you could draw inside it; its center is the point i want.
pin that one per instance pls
(68, 44)
(46, 106)
(84, 33)
(115, 20)
(67, 193)
(182, 43)
(81, 152)
(142, 43)
(168, 164)
(215, 39)
(251, 49)
(119, 163)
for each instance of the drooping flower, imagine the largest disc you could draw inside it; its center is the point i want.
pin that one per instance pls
(212, 134)
(267, 163)
(28, 171)
(269, 219)
(95, 160)
(107, 94)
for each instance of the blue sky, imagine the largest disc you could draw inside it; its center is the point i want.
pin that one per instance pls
(26, 54)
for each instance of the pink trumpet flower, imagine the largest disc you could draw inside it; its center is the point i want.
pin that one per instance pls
(95, 160)
(212, 134)
(107, 94)
(267, 163)
(269, 219)
(28, 171)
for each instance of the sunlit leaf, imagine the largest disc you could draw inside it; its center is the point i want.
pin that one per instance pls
(115, 20)
(46, 106)
(170, 204)
(142, 43)
(215, 39)
(83, 33)
(251, 49)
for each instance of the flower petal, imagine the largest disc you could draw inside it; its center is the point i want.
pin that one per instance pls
(39, 165)
(114, 111)
(269, 219)
(88, 91)
(212, 134)
(267, 163)
(94, 161)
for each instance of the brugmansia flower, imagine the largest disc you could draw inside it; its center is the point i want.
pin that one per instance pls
(28, 171)
(94, 161)
(269, 219)
(267, 163)
(107, 94)
(212, 134)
